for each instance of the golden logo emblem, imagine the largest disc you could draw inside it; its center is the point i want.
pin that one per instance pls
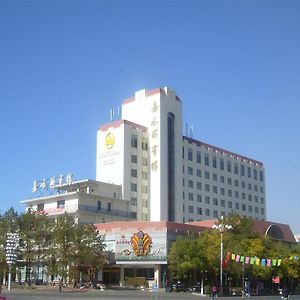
(141, 243)
(109, 141)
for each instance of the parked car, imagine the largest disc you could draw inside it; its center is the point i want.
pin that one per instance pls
(178, 287)
(195, 288)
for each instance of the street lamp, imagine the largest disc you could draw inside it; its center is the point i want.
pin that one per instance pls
(222, 228)
(10, 250)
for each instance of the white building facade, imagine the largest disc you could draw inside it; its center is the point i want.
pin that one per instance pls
(170, 177)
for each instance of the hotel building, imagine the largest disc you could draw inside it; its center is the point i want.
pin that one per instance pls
(170, 177)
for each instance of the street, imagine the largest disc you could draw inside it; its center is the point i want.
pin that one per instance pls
(53, 294)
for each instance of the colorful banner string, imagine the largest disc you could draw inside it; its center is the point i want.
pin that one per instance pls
(253, 260)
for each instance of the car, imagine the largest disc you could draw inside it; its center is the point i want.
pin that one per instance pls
(195, 288)
(178, 287)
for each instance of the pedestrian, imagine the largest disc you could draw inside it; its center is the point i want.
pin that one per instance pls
(74, 284)
(214, 292)
(60, 285)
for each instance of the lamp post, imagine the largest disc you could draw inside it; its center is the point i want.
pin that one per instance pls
(221, 227)
(10, 251)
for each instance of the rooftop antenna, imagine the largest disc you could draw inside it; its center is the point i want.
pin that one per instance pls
(191, 131)
(112, 113)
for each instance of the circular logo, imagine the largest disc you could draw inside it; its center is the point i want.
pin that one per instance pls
(109, 141)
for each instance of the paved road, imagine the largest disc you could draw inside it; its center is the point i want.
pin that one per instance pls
(90, 294)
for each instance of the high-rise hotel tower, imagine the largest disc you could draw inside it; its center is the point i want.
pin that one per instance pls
(170, 177)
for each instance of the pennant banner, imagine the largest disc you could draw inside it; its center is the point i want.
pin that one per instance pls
(253, 260)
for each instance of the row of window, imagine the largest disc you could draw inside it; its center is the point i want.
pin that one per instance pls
(134, 188)
(199, 210)
(134, 160)
(134, 174)
(229, 180)
(216, 162)
(207, 199)
(134, 142)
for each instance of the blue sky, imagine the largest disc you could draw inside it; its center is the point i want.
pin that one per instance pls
(64, 64)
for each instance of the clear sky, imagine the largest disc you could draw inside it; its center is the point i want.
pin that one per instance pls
(64, 64)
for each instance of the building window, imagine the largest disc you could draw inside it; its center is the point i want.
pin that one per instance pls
(207, 187)
(144, 145)
(215, 214)
(215, 201)
(198, 157)
(182, 152)
(191, 184)
(182, 181)
(250, 208)
(206, 175)
(223, 203)
(40, 206)
(236, 168)
(249, 186)
(243, 207)
(206, 159)
(61, 204)
(262, 200)
(109, 206)
(249, 172)
(255, 174)
(207, 199)
(237, 206)
(145, 161)
(134, 159)
(190, 170)
(229, 192)
(199, 211)
(222, 179)
(222, 191)
(199, 185)
(229, 204)
(229, 181)
(98, 205)
(243, 196)
(256, 209)
(207, 212)
(222, 164)
(133, 201)
(191, 209)
(255, 188)
(133, 173)
(215, 189)
(190, 154)
(261, 189)
(144, 175)
(133, 187)
(191, 196)
(183, 195)
(256, 199)
(134, 141)
(236, 183)
(236, 194)
(144, 189)
(228, 166)
(133, 215)
(243, 184)
(199, 198)
(242, 170)
(198, 173)
(214, 161)
(215, 177)
(262, 211)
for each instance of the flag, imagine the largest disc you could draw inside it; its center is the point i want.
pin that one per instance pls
(242, 258)
(279, 262)
(237, 259)
(274, 262)
(233, 256)
(268, 262)
(247, 259)
(252, 260)
(257, 261)
(263, 262)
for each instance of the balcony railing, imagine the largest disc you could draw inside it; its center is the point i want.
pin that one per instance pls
(113, 212)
